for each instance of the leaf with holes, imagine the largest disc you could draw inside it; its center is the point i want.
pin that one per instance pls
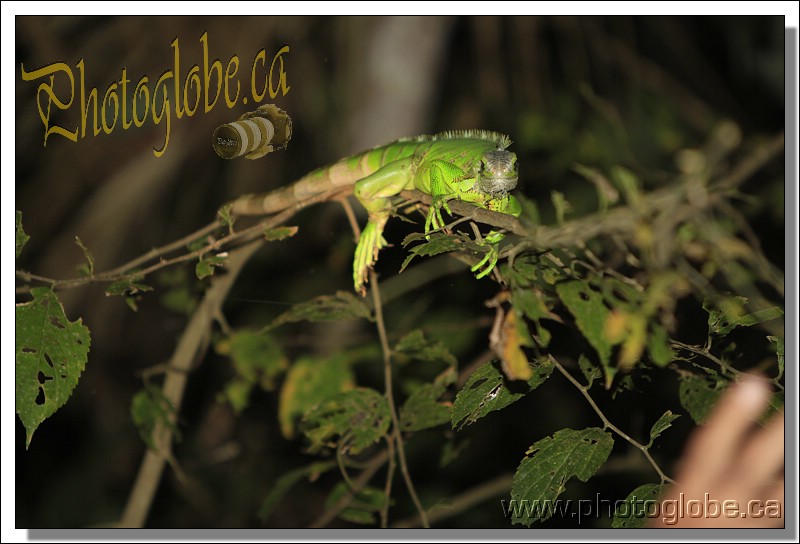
(591, 315)
(415, 346)
(339, 307)
(488, 390)
(552, 461)
(632, 513)
(310, 381)
(699, 395)
(351, 421)
(436, 243)
(51, 354)
(727, 313)
(423, 409)
(663, 423)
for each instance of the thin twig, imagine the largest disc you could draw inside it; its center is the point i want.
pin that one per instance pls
(704, 352)
(363, 478)
(585, 392)
(462, 502)
(387, 369)
(387, 488)
(189, 346)
(124, 271)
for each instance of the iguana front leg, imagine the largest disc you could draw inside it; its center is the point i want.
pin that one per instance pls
(373, 192)
(447, 181)
(510, 206)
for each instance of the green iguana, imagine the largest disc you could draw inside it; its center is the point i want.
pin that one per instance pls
(469, 165)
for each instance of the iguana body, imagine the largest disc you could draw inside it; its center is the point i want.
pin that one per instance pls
(473, 166)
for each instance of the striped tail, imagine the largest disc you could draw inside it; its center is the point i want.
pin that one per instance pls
(341, 174)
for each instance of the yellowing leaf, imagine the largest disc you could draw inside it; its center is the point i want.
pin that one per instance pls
(351, 421)
(514, 360)
(309, 382)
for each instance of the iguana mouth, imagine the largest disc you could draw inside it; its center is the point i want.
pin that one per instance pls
(498, 173)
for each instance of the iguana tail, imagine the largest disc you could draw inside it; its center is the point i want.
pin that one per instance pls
(341, 174)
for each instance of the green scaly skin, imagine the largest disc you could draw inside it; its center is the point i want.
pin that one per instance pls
(474, 166)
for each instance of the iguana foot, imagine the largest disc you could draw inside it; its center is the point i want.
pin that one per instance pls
(487, 264)
(434, 221)
(369, 245)
(489, 261)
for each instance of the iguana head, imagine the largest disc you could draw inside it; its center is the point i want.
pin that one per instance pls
(498, 172)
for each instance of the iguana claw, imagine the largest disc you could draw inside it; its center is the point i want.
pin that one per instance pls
(483, 269)
(370, 243)
(435, 221)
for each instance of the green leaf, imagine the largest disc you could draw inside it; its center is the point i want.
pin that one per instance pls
(237, 394)
(128, 286)
(606, 193)
(287, 481)
(198, 244)
(21, 237)
(778, 341)
(551, 463)
(88, 269)
(438, 243)
(179, 299)
(729, 312)
(628, 184)
(339, 307)
(663, 423)
(487, 390)
(531, 303)
(363, 506)
(258, 361)
(699, 395)
(591, 314)
(590, 371)
(632, 513)
(561, 205)
(658, 346)
(148, 408)
(207, 263)
(51, 354)
(257, 357)
(350, 421)
(224, 215)
(279, 233)
(422, 409)
(777, 401)
(415, 346)
(309, 382)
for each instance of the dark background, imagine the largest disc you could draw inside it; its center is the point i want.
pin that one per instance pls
(600, 91)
